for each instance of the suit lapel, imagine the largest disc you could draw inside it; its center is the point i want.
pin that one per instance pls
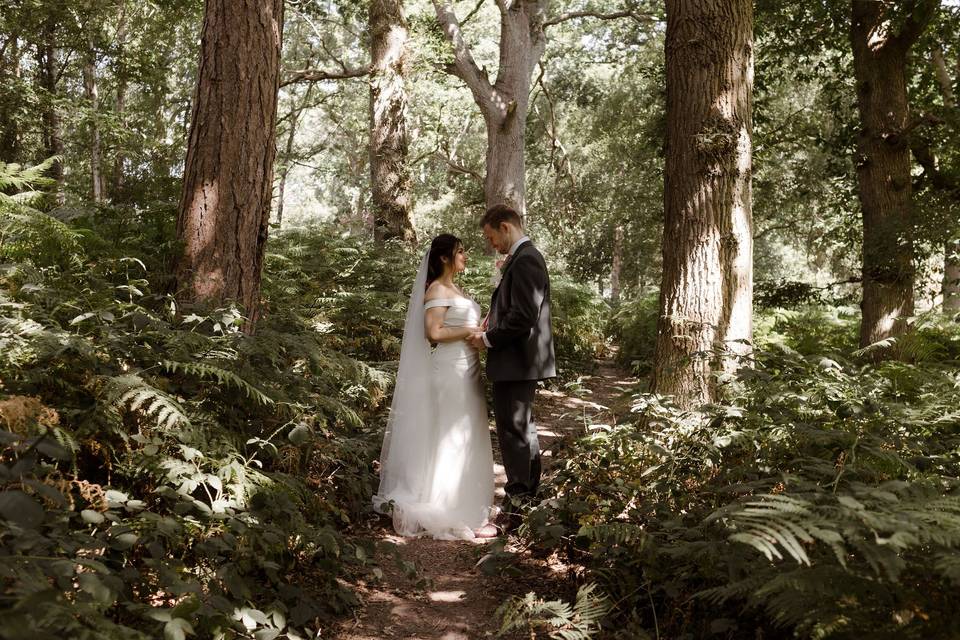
(493, 297)
(514, 258)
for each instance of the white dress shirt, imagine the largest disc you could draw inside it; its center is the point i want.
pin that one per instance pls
(513, 249)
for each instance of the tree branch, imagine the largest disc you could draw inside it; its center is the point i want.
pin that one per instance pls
(456, 167)
(931, 169)
(464, 67)
(573, 15)
(316, 75)
(922, 13)
(470, 15)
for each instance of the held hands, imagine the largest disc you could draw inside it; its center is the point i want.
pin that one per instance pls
(475, 339)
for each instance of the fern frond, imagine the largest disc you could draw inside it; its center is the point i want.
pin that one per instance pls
(620, 533)
(133, 393)
(578, 622)
(222, 376)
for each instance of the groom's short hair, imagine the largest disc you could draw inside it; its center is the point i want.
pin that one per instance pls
(498, 214)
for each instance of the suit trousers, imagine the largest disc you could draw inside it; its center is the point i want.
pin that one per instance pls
(517, 434)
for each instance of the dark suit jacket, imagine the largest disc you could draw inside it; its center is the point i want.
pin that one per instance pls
(519, 331)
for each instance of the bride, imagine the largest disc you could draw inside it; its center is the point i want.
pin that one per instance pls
(436, 465)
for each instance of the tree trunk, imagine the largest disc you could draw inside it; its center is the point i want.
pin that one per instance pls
(504, 105)
(950, 287)
(228, 179)
(617, 264)
(92, 94)
(9, 128)
(285, 170)
(288, 151)
(50, 117)
(883, 167)
(389, 173)
(120, 103)
(706, 294)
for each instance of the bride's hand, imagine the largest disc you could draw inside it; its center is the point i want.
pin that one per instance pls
(475, 340)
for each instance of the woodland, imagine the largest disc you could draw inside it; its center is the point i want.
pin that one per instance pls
(211, 214)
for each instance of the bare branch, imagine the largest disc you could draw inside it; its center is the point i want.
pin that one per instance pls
(465, 67)
(470, 15)
(317, 75)
(573, 15)
(559, 159)
(943, 76)
(457, 167)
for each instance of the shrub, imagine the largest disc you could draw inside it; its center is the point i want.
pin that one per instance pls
(579, 324)
(162, 474)
(823, 501)
(634, 327)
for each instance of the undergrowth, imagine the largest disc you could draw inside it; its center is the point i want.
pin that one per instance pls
(161, 473)
(820, 500)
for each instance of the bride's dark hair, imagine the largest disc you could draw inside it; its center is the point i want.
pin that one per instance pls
(443, 246)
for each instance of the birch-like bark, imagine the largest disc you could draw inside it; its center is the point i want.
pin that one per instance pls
(92, 93)
(950, 286)
(505, 103)
(120, 102)
(617, 265)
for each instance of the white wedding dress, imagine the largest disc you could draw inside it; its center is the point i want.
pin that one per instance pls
(436, 466)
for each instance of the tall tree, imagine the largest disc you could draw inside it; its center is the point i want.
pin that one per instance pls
(10, 71)
(950, 286)
(389, 173)
(120, 100)
(91, 90)
(225, 207)
(881, 36)
(707, 287)
(504, 103)
(48, 80)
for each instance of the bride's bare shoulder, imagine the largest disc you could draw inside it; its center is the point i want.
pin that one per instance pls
(438, 290)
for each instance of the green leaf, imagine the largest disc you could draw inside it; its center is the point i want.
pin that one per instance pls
(177, 629)
(299, 434)
(92, 517)
(92, 584)
(18, 507)
(124, 541)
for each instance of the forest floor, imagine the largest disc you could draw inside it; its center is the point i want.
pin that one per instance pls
(432, 589)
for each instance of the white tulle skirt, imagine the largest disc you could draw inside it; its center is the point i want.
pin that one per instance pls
(438, 481)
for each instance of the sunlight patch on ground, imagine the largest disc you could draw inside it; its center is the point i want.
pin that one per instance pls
(447, 596)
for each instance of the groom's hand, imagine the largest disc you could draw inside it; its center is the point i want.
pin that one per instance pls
(476, 341)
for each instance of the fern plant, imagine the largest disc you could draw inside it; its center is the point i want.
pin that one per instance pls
(561, 620)
(822, 500)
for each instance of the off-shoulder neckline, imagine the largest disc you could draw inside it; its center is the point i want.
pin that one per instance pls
(464, 298)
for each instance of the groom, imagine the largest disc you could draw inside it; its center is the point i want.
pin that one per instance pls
(519, 341)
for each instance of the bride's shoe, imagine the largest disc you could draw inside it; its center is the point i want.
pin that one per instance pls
(486, 531)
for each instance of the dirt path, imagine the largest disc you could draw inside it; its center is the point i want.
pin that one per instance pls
(431, 589)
